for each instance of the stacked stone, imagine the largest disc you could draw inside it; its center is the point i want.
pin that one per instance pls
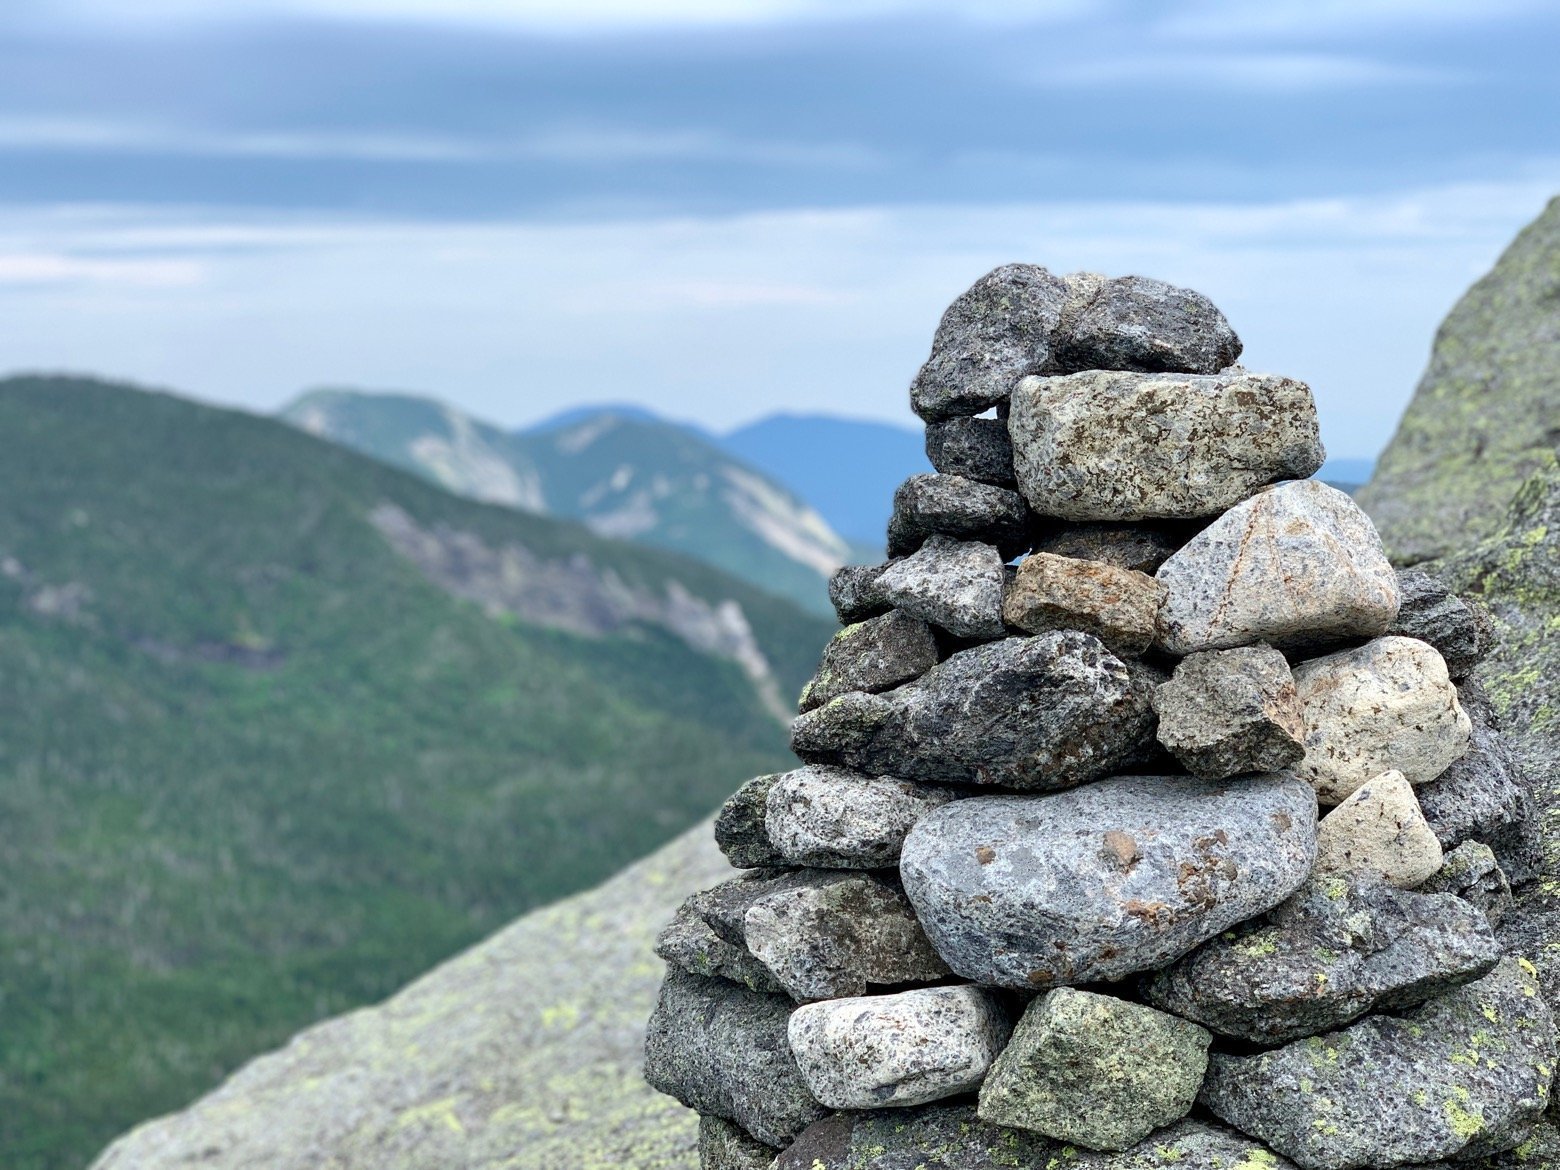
(1175, 843)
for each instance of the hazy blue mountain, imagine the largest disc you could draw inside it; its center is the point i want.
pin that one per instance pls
(621, 470)
(846, 468)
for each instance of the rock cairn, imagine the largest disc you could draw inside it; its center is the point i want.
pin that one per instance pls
(1177, 843)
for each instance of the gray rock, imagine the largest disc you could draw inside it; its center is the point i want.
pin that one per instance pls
(723, 1145)
(873, 655)
(1473, 874)
(1297, 565)
(1339, 948)
(1095, 1070)
(1103, 445)
(1484, 796)
(854, 592)
(1379, 829)
(905, 1049)
(1468, 1071)
(722, 1049)
(951, 1137)
(1143, 547)
(693, 943)
(964, 509)
(739, 826)
(837, 819)
(951, 583)
(997, 331)
(1120, 876)
(1229, 712)
(1136, 323)
(1046, 712)
(1118, 606)
(828, 934)
(976, 448)
(1385, 706)
(1457, 628)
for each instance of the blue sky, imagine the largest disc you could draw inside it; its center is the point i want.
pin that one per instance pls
(723, 209)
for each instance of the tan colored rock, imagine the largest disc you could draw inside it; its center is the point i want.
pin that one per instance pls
(1118, 606)
(1379, 829)
(1297, 565)
(1386, 705)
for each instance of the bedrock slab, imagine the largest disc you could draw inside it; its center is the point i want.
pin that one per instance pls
(1385, 706)
(1229, 712)
(1296, 565)
(1339, 948)
(873, 655)
(1469, 1071)
(1120, 876)
(1095, 1070)
(1042, 713)
(868, 1052)
(837, 819)
(1109, 445)
(722, 1049)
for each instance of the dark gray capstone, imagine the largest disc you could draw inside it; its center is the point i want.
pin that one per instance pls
(1137, 323)
(965, 509)
(1339, 948)
(955, 584)
(854, 592)
(976, 448)
(739, 826)
(723, 1050)
(1469, 1071)
(1484, 796)
(951, 1137)
(1046, 712)
(873, 655)
(1228, 712)
(1143, 547)
(997, 331)
(1102, 881)
(724, 1145)
(1431, 612)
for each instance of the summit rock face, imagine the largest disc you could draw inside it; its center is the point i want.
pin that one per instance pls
(1484, 416)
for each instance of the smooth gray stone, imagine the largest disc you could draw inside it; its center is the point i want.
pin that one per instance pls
(872, 655)
(739, 826)
(894, 1050)
(1229, 712)
(837, 819)
(964, 509)
(1137, 323)
(1431, 612)
(1110, 445)
(1472, 873)
(825, 934)
(1143, 547)
(1046, 712)
(1339, 948)
(1297, 565)
(951, 1137)
(723, 1050)
(998, 330)
(1467, 1071)
(724, 1145)
(976, 448)
(1095, 1070)
(1485, 796)
(854, 592)
(954, 584)
(1103, 881)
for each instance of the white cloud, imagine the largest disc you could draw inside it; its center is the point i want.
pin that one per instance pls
(721, 319)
